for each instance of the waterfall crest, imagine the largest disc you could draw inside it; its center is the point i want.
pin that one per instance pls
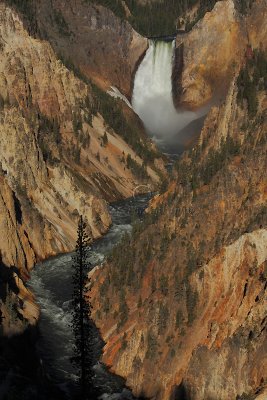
(152, 98)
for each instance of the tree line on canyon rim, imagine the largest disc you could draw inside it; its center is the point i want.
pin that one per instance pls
(160, 18)
(151, 19)
(163, 18)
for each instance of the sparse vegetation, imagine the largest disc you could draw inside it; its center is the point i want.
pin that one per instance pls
(137, 363)
(27, 8)
(244, 6)
(76, 123)
(114, 5)
(48, 135)
(163, 318)
(165, 241)
(124, 342)
(61, 23)
(195, 174)
(151, 345)
(138, 170)
(179, 319)
(252, 78)
(164, 285)
(2, 103)
(172, 353)
(123, 308)
(111, 110)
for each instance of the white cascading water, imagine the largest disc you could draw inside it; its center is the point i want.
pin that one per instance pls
(152, 97)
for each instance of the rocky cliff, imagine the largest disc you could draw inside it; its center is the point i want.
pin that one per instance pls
(181, 303)
(88, 36)
(62, 151)
(184, 315)
(214, 49)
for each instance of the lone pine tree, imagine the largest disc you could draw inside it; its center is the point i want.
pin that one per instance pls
(81, 315)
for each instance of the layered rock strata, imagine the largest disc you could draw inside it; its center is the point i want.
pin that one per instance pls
(214, 50)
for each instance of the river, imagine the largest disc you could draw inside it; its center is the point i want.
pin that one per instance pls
(51, 281)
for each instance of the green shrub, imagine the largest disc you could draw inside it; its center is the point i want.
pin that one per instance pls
(172, 353)
(163, 318)
(62, 25)
(138, 170)
(151, 345)
(164, 285)
(191, 303)
(179, 319)
(252, 77)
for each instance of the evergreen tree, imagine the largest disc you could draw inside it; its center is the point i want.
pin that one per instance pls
(1, 318)
(105, 139)
(81, 315)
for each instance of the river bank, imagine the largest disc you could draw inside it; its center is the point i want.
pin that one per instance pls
(51, 282)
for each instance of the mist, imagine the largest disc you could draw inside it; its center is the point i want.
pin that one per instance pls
(152, 100)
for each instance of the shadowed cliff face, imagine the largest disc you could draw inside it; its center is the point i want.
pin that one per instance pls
(17, 304)
(189, 297)
(90, 37)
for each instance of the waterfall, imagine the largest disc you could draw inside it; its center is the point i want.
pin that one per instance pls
(152, 98)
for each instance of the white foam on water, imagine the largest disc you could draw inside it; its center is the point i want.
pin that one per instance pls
(51, 281)
(152, 96)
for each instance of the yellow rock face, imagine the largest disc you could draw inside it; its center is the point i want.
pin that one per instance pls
(256, 24)
(204, 332)
(212, 51)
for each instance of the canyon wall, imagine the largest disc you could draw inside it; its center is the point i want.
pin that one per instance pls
(214, 50)
(103, 47)
(59, 156)
(181, 304)
(184, 311)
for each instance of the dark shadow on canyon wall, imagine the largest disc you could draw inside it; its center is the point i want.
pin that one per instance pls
(179, 393)
(21, 373)
(177, 72)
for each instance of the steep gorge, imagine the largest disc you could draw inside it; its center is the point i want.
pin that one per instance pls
(187, 317)
(59, 157)
(195, 293)
(183, 310)
(90, 38)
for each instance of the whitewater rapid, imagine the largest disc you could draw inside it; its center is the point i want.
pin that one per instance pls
(152, 99)
(51, 281)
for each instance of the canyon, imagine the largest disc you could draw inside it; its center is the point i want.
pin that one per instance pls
(55, 164)
(187, 318)
(198, 291)
(181, 301)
